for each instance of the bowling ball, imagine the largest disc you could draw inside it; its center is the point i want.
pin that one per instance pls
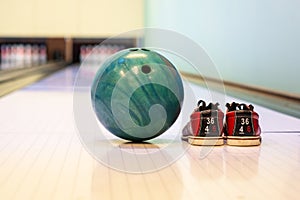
(137, 94)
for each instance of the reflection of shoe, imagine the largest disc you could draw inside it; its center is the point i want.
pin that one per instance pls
(241, 127)
(205, 126)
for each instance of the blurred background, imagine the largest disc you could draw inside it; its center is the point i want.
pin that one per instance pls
(253, 43)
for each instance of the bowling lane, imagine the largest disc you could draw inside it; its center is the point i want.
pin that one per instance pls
(41, 156)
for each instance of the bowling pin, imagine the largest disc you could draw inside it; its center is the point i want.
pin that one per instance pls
(42, 54)
(35, 54)
(82, 53)
(3, 53)
(27, 55)
(13, 55)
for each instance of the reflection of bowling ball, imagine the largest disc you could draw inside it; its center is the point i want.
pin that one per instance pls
(137, 94)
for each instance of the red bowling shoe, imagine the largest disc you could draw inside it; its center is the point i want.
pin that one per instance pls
(205, 126)
(241, 127)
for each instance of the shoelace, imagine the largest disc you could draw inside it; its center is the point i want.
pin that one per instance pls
(236, 106)
(201, 106)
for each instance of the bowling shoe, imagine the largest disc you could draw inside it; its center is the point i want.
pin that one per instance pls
(205, 125)
(241, 126)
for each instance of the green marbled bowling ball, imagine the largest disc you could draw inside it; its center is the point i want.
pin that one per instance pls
(137, 94)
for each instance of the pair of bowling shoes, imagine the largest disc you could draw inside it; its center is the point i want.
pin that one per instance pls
(206, 126)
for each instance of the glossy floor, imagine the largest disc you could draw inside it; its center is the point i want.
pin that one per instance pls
(41, 157)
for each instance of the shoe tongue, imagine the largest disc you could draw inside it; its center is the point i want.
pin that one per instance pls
(201, 105)
(212, 106)
(232, 106)
(236, 106)
(243, 106)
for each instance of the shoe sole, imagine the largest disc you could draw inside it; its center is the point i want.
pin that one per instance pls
(243, 141)
(205, 141)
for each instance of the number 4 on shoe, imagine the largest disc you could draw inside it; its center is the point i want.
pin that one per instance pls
(205, 125)
(242, 127)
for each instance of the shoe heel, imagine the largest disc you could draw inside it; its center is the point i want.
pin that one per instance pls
(206, 141)
(243, 141)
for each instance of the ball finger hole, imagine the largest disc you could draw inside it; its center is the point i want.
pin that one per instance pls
(146, 69)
